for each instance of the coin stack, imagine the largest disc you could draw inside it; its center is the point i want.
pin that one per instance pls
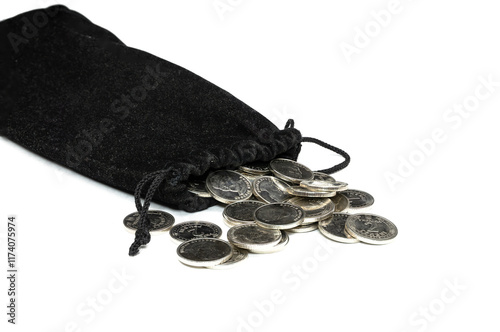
(264, 202)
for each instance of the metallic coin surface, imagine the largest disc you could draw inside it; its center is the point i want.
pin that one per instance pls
(341, 202)
(198, 187)
(160, 221)
(334, 228)
(238, 256)
(323, 177)
(204, 252)
(340, 186)
(241, 212)
(250, 177)
(319, 185)
(256, 168)
(370, 228)
(228, 186)
(306, 192)
(290, 170)
(189, 230)
(270, 189)
(304, 228)
(315, 209)
(252, 236)
(279, 216)
(229, 223)
(358, 199)
(280, 246)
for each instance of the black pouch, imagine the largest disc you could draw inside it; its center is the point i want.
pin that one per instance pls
(73, 93)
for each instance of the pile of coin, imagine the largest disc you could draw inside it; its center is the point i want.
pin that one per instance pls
(264, 202)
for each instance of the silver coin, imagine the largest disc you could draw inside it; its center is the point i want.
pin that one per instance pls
(339, 186)
(228, 186)
(241, 212)
(252, 236)
(306, 192)
(358, 199)
(197, 187)
(279, 216)
(160, 221)
(323, 177)
(189, 230)
(270, 189)
(237, 257)
(278, 247)
(290, 170)
(319, 185)
(250, 177)
(334, 228)
(304, 228)
(341, 202)
(370, 228)
(315, 209)
(256, 168)
(204, 252)
(229, 223)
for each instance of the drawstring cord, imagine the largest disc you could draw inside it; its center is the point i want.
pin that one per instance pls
(341, 152)
(142, 235)
(347, 159)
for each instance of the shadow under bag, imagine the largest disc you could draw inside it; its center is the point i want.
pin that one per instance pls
(72, 92)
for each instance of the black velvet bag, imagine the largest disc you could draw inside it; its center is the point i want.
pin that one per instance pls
(72, 92)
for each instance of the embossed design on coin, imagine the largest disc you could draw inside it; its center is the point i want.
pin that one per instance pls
(198, 187)
(238, 256)
(270, 189)
(334, 228)
(306, 192)
(341, 202)
(358, 199)
(323, 177)
(228, 186)
(279, 216)
(252, 236)
(304, 228)
(280, 246)
(320, 182)
(256, 168)
(340, 186)
(241, 212)
(290, 170)
(160, 221)
(189, 230)
(250, 177)
(315, 208)
(204, 252)
(370, 228)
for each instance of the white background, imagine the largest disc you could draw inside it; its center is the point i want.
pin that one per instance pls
(284, 58)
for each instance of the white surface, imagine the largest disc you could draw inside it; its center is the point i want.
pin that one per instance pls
(284, 59)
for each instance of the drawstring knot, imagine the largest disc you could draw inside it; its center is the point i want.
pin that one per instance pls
(142, 235)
